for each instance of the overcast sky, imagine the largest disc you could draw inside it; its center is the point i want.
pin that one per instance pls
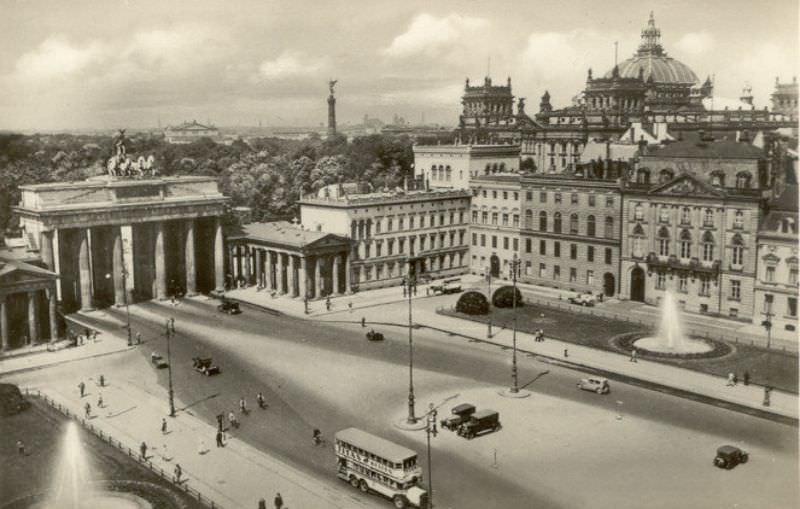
(114, 63)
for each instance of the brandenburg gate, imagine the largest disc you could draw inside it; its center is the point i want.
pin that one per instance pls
(114, 239)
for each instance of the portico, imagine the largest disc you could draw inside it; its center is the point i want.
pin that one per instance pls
(27, 305)
(288, 260)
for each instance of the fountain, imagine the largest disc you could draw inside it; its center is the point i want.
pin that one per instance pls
(670, 338)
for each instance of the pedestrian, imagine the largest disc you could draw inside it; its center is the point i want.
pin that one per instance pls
(328, 303)
(541, 331)
(566, 354)
(21, 447)
(178, 473)
(220, 419)
(232, 420)
(82, 388)
(363, 322)
(278, 501)
(746, 378)
(350, 306)
(730, 383)
(735, 379)
(100, 400)
(242, 406)
(633, 356)
(88, 410)
(220, 443)
(102, 381)
(262, 504)
(138, 338)
(163, 425)
(260, 400)
(143, 450)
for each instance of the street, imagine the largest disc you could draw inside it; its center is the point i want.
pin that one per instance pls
(558, 448)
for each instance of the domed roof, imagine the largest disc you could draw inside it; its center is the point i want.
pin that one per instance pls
(652, 62)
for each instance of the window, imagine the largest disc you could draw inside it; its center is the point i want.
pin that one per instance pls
(543, 197)
(683, 283)
(592, 200)
(791, 306)
(515, 221)
(717, 178)
(573, 274)
(708, 247)
(769, 277)
(768, 302)
(484, 218)
(527, 245)
(542, 247)
(557, 198)
(400, 223)
(494, 218)
(743, 180)
(557, 249)
(474, 217)
(590, 226)
(609, 231)
(590, 253)
(638, 212)
(452, 218)
(705, 286)
(505, 242)
(574, 199)
(556, 272)
(378, 225)
(663, 241)
(422, 242)
(542, 270)
(543, 221)
(410, 222)
(515, 242)
(529, 195)
(484, 193)
(401, 245)
(661, 281)
(573, 223)
(665, 175)
(494, 241)
(609, 256)
(390, 247)
(474, 239)
(686, 244)
(483, 241)
(516, 196)
(793, 275)
(738, 250)
(738, 220)
(573, 251)
(441, 220)
(736, 289)
(590, 277)
(389, 225)
(378, 248)
(708, 218)
(663, 215)
(686, 216)
(528, 219)
(557, 222)
(494, 194)
(505, 219)
(609, 201)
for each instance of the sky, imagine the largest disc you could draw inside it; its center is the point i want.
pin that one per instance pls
(101, 64)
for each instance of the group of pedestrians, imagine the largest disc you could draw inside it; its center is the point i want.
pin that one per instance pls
(733, 379)
(262, 504)
(538, 336)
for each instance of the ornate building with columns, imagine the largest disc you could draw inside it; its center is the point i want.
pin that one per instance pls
(114, 240)
(289, 260)
(27, 304)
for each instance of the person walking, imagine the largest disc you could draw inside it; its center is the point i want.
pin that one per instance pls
(363, 321)
(262, 504)
(278, 501)
(746, 378)
(260, 400)
(220, 443)
(178, 473)
(143, 450)
(566, 354)
(163, 426)
(88, 410)
(731, 381)
(138, 338)
(232, 420)
(21, 447)
(350, 306)
(220, 419)
(100, 400)
(102, 380)
(327, 303)
(633, 356)
(243, 406)
(82, 388)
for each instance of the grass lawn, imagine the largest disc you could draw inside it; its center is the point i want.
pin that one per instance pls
(595, 331)
(41, 430)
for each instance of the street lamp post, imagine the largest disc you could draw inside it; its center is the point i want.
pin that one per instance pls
(767, 323)
(489, 279)
(410, 283)
(430, 428)
(515, 262)
(170, 331)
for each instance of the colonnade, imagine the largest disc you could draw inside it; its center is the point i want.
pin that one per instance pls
(34, 297)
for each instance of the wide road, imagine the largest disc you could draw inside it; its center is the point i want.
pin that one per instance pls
(327, 376)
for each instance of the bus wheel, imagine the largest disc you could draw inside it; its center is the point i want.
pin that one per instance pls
(354, 481)
(364, 486)
(399, 501)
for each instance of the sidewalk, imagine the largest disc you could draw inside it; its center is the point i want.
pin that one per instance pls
(236, 475)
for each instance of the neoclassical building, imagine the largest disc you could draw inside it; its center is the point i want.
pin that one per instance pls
(494, 229)
(113, 240)
(28, 306)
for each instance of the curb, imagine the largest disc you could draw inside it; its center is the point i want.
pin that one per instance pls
(61, 362)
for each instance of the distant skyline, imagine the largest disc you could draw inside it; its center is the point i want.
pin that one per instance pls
(91, 64)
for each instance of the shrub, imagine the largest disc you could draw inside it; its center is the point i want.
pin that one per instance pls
(472, 303)
(503, 297)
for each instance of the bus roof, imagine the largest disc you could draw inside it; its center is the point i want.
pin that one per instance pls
(376, 445)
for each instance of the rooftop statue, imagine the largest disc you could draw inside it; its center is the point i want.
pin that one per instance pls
(331, 84)
(120, 164)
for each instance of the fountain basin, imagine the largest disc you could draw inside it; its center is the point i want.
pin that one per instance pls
(103, 500)
(658, 344)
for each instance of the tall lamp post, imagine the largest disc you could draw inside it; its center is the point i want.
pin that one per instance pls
(169, 332)
(515, 262)
(410, 284)
(489, 280)
(430, 428)
(767, 324)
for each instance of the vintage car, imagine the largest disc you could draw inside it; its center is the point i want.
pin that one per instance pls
(728, 456)
(459, 415)
(447, 286)
(479, 422)
(158, 361)
(204, 366)
(229, 306)
(583, 299)
(595, 384)
(374, 336)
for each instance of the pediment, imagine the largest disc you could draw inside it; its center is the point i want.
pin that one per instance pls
(330, 240)
(685, 185)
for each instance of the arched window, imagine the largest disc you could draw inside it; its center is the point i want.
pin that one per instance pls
(609, 231)
(573, 223)
(665, 175)
(637, 241)
(642, 176)
(494, 168)
(738, 220)
(737, 257)
(529, 219)
(743, 180)
(487, 170)
(708, 247)
(590, 226)
(788, 225)
(638, 212)
(686, 244)
(663, 241)
(557, 222)
(718, 178)
(686, 216)
(543, 221)
(708, 217)
(502, 167)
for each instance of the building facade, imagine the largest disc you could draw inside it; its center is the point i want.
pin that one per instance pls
(453, 166)
(495, 216)
(389, 228)
(28, 305)
(189, 132)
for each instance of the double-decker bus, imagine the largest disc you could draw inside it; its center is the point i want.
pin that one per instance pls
(372, 463)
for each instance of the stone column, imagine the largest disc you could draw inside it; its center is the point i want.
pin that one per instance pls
(33, 318)
(85, 272)
(268, 270)
(335, 275)
(290, 278)
(281, 273)
(161, 267)
(232, 257)
(52, 315)
(219, 257)
(318, 277)
(46, 249)
(301, 277)
(347, 271)
(188, 253)
(247, 273)
(258, 253)
(117, 267)
(4, 323)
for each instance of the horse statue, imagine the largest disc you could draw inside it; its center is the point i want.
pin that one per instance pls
(111, 166)
(125, 167)
(149, 165)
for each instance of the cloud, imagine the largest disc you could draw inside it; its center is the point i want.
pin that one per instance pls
(430, 35)
(56, 57)
(695, 43)
(290, 64)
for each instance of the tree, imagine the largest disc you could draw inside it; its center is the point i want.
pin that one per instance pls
(503, 297)
(473, 303)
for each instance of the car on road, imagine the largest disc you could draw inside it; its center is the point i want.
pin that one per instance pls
(374, 336)
(583, 299)
(447, 286)
(158, 361)
(479, 422)
(229, 306)
(205, 366)
(728, 456)
(595, 384)
(459, 415)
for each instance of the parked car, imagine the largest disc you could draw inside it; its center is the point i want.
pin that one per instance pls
(205, 366)
(595, 384)
(158, 361)
(583, 299)
(447, 286)
(229, 306)
(374, 336)
(479, 422)
(728, 456)
(459, 415)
